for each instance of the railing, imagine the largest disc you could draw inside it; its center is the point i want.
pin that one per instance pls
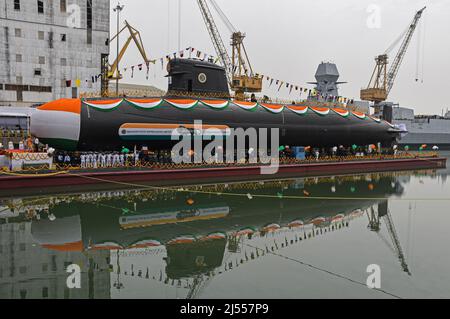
(130, 165)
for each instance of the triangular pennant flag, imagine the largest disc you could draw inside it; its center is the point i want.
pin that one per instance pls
(148, 69)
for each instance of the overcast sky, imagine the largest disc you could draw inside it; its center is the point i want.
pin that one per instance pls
(287, 39)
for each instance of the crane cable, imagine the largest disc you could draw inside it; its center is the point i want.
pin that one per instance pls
(223, 17)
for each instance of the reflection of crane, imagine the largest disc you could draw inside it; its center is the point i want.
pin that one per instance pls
(374, 225)
(239, 70)
(382, 81)
(113, 72)
(198, 284)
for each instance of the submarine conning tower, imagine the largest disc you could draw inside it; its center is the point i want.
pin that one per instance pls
(196, 78)
(327, 76)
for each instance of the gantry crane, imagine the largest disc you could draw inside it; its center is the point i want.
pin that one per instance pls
(113, 72)
(239, 71)
(381, 82)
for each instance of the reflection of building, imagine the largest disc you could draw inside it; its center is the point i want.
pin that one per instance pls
(51, 49)
(30, 271)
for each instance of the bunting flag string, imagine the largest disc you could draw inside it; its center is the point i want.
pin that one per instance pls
(193, 52)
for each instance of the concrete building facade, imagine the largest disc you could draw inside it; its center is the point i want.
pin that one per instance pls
(51, 49)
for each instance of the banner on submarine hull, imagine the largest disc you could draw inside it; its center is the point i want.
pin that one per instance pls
(156, 131)
(175, 216)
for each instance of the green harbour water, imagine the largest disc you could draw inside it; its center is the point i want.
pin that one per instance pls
(291, 238)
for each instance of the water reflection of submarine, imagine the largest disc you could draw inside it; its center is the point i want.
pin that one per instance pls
(99, 224)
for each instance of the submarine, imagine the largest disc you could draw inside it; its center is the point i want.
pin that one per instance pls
(197, 91)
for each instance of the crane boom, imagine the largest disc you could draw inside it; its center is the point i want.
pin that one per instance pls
(216, 38)
(238, 68)
(382, 81)
(393, 71)
(112, 71)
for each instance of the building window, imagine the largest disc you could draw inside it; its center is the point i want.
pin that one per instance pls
(17, 5)
(63, 61)
(63, 5)
(63, 37)
(41, 35)
(37, 72)
(89, 21)
(42, 60)
(18, 32)
(40, 5)
(44, 267)
(23, 270)
(18, 57)
(22, 246)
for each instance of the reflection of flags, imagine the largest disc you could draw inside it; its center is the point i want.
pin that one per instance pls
(271, 82)
(132, 71)
(140, 67)
(68, 83)
(77, 83)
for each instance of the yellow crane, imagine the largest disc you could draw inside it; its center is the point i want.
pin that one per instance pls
(382, 80)
(238, 68)
(113, 72)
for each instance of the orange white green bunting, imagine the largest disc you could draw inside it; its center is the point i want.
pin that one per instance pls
(182, 240)
(214, 236)
(321, 110)
(298, 109)
(216, 104)
(271, 228)
(295, 223)
(359, 115)
(145, 103)
(274, 108)
(146, 244)
(341, 112)
(243, 232)
(376, 119)
(249, 106)
(318, 221)
(183, 104)
(337, 218)
(107, 246)
(104, 105)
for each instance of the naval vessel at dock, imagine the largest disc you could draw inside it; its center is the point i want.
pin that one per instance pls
(432, 130)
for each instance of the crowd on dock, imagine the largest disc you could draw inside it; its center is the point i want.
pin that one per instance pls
(127, 158)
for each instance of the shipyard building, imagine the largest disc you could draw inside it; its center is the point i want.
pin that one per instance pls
(51, 49)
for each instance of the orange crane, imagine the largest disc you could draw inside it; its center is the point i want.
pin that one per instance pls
(239, 71)
(113, 73)
(382, 80)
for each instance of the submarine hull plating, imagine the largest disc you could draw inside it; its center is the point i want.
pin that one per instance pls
(104, 125)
